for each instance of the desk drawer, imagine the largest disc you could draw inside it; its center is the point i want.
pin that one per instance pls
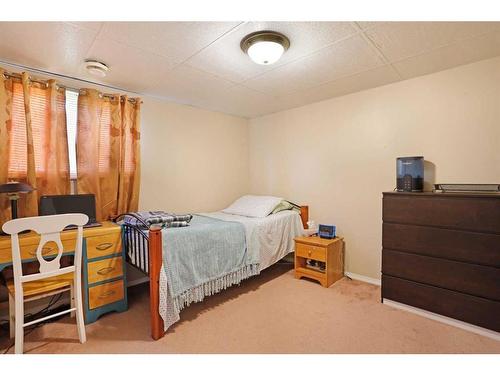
(310, 252)
(106, 244)
(29, 251)
(105, 294)
(105, 269)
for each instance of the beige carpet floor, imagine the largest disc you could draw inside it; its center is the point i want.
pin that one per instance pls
(270, 313)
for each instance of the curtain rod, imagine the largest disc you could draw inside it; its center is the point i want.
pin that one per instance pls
(45, 82)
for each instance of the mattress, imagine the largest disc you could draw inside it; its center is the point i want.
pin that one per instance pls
(272, 236)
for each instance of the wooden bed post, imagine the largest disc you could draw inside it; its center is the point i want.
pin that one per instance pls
(304, 215)
(155, 263)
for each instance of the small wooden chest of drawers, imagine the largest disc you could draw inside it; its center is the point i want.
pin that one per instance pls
(330, 252)
(103, 272)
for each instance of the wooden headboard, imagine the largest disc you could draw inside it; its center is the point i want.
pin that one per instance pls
(304, 215)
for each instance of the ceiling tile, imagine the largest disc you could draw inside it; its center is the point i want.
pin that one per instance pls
(350, 56)
(464, 52)
(226, 59)
(399, 40)
(95, 26)
(140, 72)
(53, 46)
(173, 40)
(368, 24)
(362, 81)
(241, 101)
(188, 85)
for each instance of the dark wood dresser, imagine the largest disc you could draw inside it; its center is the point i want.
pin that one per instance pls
(441, 253)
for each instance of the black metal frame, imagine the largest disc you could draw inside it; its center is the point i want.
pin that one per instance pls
(136, 242)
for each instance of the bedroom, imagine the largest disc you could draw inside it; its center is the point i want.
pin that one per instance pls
(181, 116)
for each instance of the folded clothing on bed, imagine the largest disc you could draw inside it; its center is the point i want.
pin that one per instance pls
(162, 218)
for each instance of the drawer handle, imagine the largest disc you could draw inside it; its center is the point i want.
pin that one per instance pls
(309, 253)
(107, 294)
(45, 251)
(105, 270)
(104, 246)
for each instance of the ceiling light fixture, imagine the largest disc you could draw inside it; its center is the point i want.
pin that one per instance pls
(96, 68)
(265, 47)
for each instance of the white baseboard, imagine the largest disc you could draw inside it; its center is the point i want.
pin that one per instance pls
(366, 279)
(444, 319)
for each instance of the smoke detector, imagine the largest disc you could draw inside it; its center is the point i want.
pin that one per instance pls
(96, 68)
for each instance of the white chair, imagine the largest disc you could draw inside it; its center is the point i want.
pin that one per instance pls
(51, 279)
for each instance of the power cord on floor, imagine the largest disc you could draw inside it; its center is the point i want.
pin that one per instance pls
(47, 309)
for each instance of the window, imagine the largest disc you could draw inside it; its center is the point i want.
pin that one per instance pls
(71, 114)
(105, 133)
(39, 113)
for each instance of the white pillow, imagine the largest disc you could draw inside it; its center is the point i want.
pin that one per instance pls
(253, 205)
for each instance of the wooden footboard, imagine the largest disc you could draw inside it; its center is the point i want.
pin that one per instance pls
(155, 263)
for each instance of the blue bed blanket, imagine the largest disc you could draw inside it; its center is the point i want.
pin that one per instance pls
(204, 258)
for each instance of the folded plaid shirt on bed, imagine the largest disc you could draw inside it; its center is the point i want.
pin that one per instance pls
(162, 218)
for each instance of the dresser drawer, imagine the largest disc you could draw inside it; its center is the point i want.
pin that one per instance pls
(310, 251)
(470, 247)
(106, 244)
(105, 269)
(481, 214)
(480, 281)
(475, 310)
(105, 294)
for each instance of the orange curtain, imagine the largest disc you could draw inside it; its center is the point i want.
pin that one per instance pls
(107, 151)
(5, 130)
(34, 146)
(130, 164)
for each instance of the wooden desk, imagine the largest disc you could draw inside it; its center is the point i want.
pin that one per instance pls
(103, 271)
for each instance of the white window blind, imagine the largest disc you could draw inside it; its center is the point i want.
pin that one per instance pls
(71, 114)
(39, 111)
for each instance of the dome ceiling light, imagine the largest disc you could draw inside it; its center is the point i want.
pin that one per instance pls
(265, 47)
(96, 68)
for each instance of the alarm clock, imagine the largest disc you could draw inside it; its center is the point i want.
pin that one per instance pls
(326, 231)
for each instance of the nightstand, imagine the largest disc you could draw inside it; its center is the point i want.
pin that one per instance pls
(329, 252)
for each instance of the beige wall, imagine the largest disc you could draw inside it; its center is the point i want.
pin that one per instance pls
(192, 160)
(339, 155)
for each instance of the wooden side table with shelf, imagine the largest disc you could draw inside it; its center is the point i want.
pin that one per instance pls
(330, 252)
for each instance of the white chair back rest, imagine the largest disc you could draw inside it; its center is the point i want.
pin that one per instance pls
(49, 227)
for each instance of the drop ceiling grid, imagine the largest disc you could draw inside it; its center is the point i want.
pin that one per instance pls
(348, 57)
(376, 48)
(238, 60)
(401, 40)
(201, 64)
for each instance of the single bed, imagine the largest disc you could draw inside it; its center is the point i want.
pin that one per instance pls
(212, 245)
